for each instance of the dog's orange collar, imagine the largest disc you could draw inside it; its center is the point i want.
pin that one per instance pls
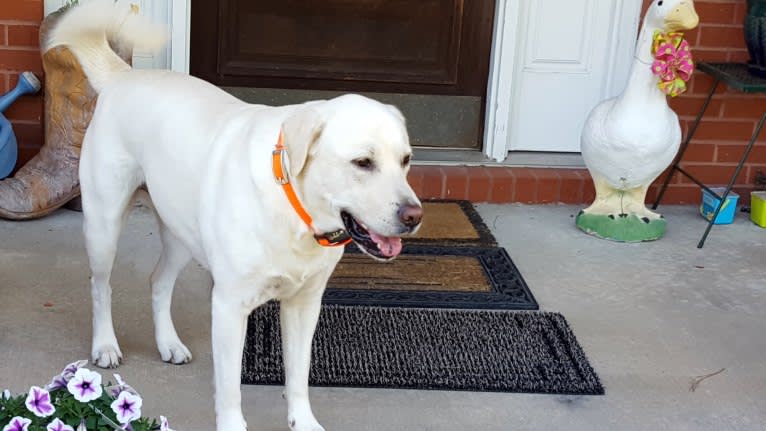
(281, 175)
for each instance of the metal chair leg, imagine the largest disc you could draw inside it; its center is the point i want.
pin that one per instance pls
(733, 179)
(685, 143)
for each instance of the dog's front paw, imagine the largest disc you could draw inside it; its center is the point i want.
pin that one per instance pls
(174, 352)
(107, 356)
(304, 423)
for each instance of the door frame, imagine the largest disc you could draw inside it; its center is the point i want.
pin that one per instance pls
(501, 92)
(505, 41)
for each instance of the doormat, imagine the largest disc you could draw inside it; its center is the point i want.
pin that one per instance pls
(453, 262)
(452, 223)
(472, 350)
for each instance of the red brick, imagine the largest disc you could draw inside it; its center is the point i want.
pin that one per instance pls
(681, 194)
(456, 182)
(589, 190)
(753, 171)
(548, 185)
(689, 106)
(571, 186)
(721, 36)
(740, 11)
(23, 35)
(726, 130)
(415, 178)
(2, 35)
(710, 54)
(28, 135)
(733, 153)
(503, 185)
(26, 108)
(701, 83)
(699, 152)
(713, 174)
(479, 184)
(526, 185)
(433, 182)
(716, 13)
(692, 36)
(741, 106)
(23, 10)
(738, 56)
(21, 60)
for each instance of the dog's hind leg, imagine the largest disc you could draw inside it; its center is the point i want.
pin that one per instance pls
(174, 258)
(106, 193)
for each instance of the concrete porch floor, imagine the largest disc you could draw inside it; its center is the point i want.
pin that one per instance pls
(649, 316)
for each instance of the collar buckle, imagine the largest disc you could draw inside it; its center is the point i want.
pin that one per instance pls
(279, 159)
(333, 239)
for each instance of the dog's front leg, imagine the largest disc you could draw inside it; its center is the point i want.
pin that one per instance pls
(298, 317)
(229, 316)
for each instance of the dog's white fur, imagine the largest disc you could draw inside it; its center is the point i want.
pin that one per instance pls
(205, 158)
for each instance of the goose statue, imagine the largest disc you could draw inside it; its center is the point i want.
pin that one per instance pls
(627, 141)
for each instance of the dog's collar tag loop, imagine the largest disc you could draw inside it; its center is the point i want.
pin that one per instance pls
(282, 176)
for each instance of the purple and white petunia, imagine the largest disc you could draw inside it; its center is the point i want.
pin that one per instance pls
(18, 424)
(120, 386)
(60, 381)
(164, 426)
(82, 426)
(85, 385)
(57, 425)
(39, 402)
(127, 407)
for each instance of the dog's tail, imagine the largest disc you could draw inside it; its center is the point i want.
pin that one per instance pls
(89, 28)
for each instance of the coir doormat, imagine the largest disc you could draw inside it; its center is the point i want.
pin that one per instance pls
(476, 350)
(452, 262)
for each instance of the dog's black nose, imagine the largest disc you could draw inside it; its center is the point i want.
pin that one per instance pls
(410, 215)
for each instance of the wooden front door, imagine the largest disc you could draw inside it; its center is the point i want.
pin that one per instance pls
(429, 48)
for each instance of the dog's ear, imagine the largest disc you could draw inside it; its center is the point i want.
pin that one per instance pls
(301, 130)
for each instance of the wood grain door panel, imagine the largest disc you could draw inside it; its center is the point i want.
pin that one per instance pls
(423, 46)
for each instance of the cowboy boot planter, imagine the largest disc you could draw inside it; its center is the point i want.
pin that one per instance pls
(50, 179)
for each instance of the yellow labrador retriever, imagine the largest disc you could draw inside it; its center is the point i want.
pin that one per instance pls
(261, 196)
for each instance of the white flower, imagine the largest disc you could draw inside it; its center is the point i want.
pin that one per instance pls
(58, 425)
(6, 394)
(85, 385)
(18, 423)
(164, 424)
(127, 407)
(82, 427)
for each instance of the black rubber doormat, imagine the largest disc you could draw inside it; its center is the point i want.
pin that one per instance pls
(476, 350)
(423, 276)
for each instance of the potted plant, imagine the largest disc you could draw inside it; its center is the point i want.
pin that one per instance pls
(76, 400)
(755, 36)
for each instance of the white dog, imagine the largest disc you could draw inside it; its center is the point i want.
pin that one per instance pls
(216, 177)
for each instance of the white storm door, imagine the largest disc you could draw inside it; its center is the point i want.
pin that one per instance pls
(571, 54)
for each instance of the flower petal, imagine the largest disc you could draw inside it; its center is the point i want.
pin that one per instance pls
(85, 385)
(58, 425)
(18, 423)
(39, 402)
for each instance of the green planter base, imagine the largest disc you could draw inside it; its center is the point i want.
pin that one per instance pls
(625, 228)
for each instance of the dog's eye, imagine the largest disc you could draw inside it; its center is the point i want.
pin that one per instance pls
(406, 160)
(363, 163)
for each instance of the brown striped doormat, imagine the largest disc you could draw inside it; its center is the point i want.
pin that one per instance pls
(453, 262)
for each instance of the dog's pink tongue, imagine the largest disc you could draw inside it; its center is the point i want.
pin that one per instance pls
(389, 246)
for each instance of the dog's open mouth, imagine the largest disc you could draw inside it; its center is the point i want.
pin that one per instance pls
(372, 243)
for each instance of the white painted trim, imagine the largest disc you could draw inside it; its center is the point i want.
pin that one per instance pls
(180, 32)
(500, 85)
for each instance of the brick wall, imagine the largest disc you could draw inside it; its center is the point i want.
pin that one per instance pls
(19, 52)
(730, 119)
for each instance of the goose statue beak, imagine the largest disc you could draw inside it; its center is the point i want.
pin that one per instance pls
(682, 17)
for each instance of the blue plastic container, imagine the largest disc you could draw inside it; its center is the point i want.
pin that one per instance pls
(8, 148)
(710, 203)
